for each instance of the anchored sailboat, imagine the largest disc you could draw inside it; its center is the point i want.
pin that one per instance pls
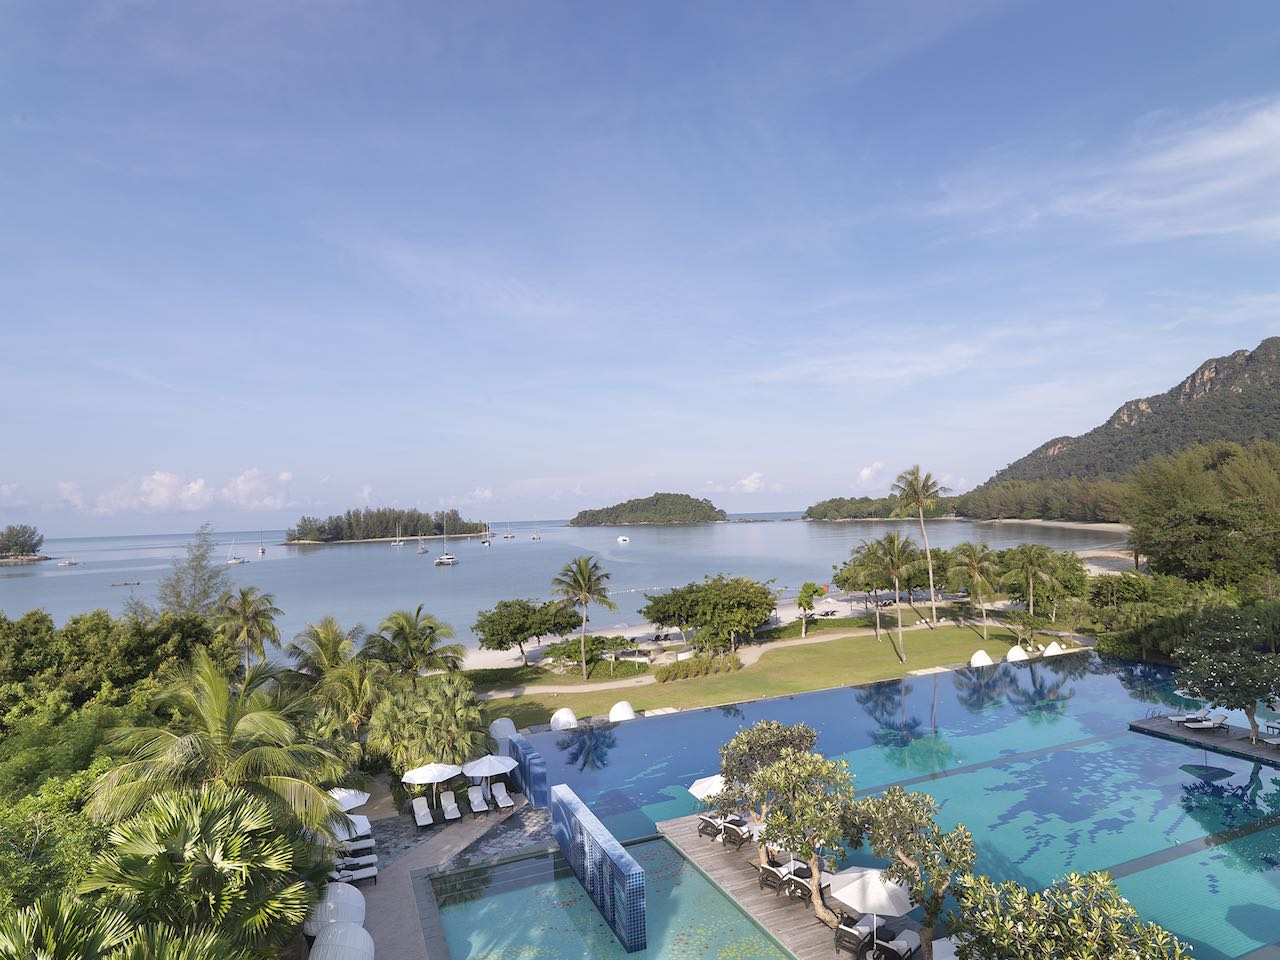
(232, 559)
(422, 545)
(446, 559)
(399, 540)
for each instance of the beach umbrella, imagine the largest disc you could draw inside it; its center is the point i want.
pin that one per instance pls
(432, 773)
(351, 826)
(707, 786)
(349, 798)
(869, 892)
(488, 766)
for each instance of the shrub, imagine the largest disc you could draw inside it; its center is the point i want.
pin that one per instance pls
(697, 667)
(1118, 645)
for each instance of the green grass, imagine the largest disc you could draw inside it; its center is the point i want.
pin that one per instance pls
(501, 678)
(839, 662)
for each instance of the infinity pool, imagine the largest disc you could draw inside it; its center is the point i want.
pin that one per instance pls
(1036, 759)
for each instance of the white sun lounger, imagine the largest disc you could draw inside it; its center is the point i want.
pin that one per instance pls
(422, 812)
(449, 806)
(353, 846)
(357, 863)
(501, 797)
(476, 799)
(904, 945)
(1217, 722)
(1202, 714)
(353, 876)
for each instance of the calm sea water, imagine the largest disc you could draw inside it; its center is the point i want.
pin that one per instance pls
(361, 583)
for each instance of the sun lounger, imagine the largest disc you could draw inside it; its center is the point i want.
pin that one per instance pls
(773, 878)
(354, 846)
(501, 797)
(1217, 722)
(354, 876)
(903, 945)
(1202, 714)
(852, 933)
(422, 812)
(710, 826)
(476, 799)
(449, 806)
(1270, 741)
(735, 836)
(356, 863)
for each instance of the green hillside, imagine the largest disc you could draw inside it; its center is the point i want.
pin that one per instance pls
(659, 508)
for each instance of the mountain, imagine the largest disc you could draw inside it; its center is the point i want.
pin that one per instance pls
(660, 508)
(1236, 397)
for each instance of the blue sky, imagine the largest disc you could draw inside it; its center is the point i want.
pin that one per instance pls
(275, 257)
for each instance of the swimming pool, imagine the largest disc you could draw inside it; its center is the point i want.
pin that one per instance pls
(1036, 759)
(535, 909)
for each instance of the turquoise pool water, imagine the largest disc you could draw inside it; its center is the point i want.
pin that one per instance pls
(535, 909)
(1036, 759)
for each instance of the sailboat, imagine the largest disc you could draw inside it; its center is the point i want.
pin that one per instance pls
(487, 539)
(262, 547)
(422, 544)
(399, 540)
(536, 534)
(232, 559)
(508, 535)
(446, 559)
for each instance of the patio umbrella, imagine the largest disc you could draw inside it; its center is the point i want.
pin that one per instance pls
(349, 798)
(432, 773)
(488, 766)
(707, 786)
(871, 893)
(351, 826)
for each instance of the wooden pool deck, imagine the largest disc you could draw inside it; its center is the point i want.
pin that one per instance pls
(1233, 741)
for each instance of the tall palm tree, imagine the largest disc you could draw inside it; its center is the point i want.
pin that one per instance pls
(409, 640)
(583, 582)
(916, 495)
(1028, 564)
(216, 860)
(323, 647)
(222, 734)
(351, 692)
(975, 570)
(901, 558)
(248, 619)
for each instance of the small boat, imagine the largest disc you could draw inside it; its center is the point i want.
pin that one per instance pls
(536, 535)
(262, 547)
(422, 545)
(624, 539)
(508, 535)
(399, 540)
(445, 560)
(232, 559)
(486, 542)
(69, 562)
(128, 583)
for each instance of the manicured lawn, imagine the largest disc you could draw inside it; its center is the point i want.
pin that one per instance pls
(848, 660)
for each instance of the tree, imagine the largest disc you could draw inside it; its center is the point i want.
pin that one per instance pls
(727, 608)
(323, 648)
(247, 618)
(193, 585)
(675, 608)
(865, 570)
(221, 734)
(752, 749)
(581, 583)
(916, 493)
(513, 623)
(1083, 917)
(20, 540)
(975, 570)
(809, 592)
(409, 641)
(454, 720)
(899, 557)
(217, 861)
(901, 829)
(1224, 667)
(812, 801)
(1026, 565)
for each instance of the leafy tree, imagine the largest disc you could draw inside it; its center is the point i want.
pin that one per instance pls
(809, 593)
(1025, 626)
(455, 721)
(675, 608)
(1027, 565)
(1221, 664)
(195, 584)
(348, 693)
(409, 641)
(20, 540)
(865, 570)
(811, 805)
(1083, 917)
(513, 623)
(727, 609)
(752, 749)
(594, 647)
(372, 523)
(901, 829)
(916, 493)
(247, 618)
(217, 861)
(975, 569)
(581, 583)
(220, 734)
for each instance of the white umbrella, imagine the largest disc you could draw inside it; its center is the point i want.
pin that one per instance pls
(707, 786)
(351, 826)
(869, 892)
(349, 798)
(431, 773)
(342, 903)
(488, 766)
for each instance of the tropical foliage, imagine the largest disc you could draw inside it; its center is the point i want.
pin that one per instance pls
(409, 641)
(513, 623)
(370, 523)
(659, 508)
(581, 583)
(246, 618)
(20, 540)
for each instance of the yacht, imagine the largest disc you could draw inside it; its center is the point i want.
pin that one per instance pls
(445, 560)
(69, 562)
(399, 540)
(508, 535)
(624, 539)
(486, 539)
(262, 548)
(422, 544)
(536, 535)
(232, 559)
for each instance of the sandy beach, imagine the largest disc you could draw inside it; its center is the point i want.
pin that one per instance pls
(1119, 529)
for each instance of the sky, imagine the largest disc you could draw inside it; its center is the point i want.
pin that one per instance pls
(278, 257)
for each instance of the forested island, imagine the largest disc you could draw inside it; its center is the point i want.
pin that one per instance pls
(659, 508)
(380, 523)
(1086, 501)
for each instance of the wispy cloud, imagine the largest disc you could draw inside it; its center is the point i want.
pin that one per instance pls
(163, 491)
(753, 482)
(10, 495)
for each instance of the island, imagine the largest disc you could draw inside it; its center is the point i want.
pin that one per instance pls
(381, 523)
(659, 508)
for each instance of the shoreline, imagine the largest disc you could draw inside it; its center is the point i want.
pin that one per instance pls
(413, 539)
(1119, 529)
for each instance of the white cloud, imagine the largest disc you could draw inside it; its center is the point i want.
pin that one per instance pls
(256, 490)
(752, 483)
(366, 494)
(870, 474)
(9, 496)
(69, 493)
(479, 495)
(163, 491)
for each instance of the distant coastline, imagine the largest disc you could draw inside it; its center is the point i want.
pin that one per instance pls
(18, 561)
(414, 538)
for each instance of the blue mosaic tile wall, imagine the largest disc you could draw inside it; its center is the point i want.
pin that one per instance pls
(610, 875)
(530, 776)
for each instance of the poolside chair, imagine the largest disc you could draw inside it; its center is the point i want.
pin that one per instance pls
(422, 812)
(477, 802)
(1270, 741)
(735, 835)
(354, 846)
(796, 889)
(1201, 714)
(852, 933)
(449, 806)
(710, 826)
(501, 797)
(904, 945)
(354, 876)
(356, 863)
(1217, 722)
(773, 878)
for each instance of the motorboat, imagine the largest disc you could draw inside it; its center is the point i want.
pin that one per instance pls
(445, 560)
(624, 539)
(69, 562)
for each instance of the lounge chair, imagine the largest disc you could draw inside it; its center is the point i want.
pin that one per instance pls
(1217, 722)
(354, 876)
(735, 835)
(449, 806)
(773, 878)
(1202, 714)
(501, 797)
(796, 888)
(354, 846)
(356, 863)
(1270, 741)
(906, 943)
(852, 933)
(710, 826)
(477, 802)
(422, 812)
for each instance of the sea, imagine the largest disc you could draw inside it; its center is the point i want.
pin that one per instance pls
(360, 583)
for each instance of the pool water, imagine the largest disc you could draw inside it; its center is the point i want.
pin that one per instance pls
(1035, 759)
(535, 909)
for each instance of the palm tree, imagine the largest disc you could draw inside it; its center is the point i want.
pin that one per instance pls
(866, 569)
(458, 733)
(217, 860)
(900, 558)
(974, 569)
(321, 648)
(1026, 565)
(352, 691)
(916, 494)
(221, 734)
(583, 582)
(248, 619)
(409, 640)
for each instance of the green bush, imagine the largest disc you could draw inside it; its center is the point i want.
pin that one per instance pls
(1118, 645)
(697, 667)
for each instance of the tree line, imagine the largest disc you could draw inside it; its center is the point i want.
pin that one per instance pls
(20, 540)
(370, 523)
